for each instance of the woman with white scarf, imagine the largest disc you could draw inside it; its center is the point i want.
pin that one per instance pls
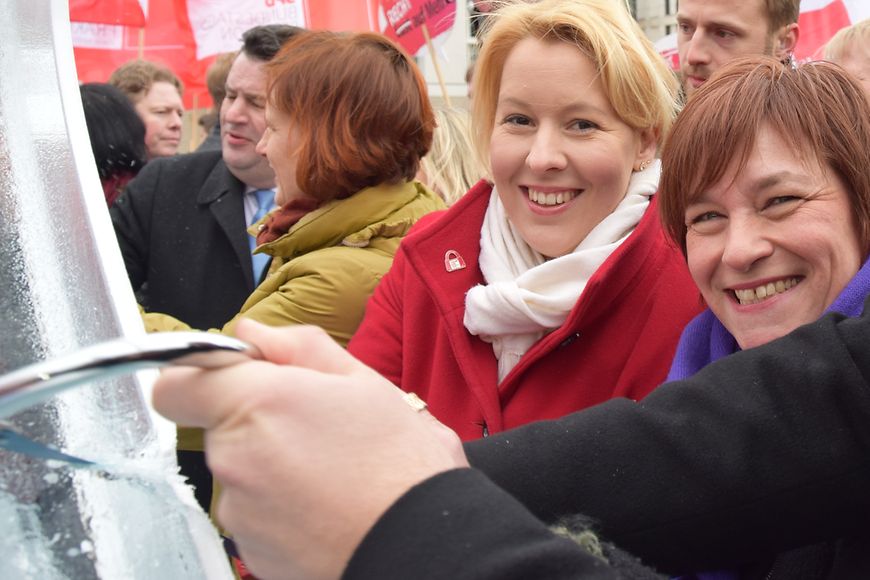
(550, 287)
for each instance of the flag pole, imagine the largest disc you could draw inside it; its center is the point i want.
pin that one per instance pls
(435, 63)
(194, 124)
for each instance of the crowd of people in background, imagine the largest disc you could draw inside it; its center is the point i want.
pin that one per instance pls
(527, 273)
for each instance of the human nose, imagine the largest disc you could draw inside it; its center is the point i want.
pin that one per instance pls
(235, 111)
(546, 152)
(746, 243)
(698, 51)
(260, 148)
(175, 121)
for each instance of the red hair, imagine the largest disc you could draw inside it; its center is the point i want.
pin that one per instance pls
(361, 106)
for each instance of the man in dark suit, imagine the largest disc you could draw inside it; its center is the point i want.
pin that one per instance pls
(181, 224)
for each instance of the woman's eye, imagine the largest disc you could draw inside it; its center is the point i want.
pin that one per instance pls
(583, 125)
(781, 199)
(781, 206)
(708, 222)
(704, 217)
(516, 120)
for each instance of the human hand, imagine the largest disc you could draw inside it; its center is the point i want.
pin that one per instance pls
(311, 448)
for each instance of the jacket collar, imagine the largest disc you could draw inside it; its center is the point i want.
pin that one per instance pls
(222, 193)
(457, 230)
(218, 183)
(353, 221)
(426, 248)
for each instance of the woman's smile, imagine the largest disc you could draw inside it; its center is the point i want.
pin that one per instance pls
(762, 292)
(550, 197)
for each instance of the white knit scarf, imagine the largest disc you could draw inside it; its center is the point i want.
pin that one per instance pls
(525, 294)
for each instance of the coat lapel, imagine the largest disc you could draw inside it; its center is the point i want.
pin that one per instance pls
(448, 288)
(222, 192)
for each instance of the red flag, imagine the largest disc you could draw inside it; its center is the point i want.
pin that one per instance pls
(333, 15)
(403, 20)
(818, 26)
(165, 39)
(125, 12)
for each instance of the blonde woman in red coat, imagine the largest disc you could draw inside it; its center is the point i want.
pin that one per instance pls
(551, 287)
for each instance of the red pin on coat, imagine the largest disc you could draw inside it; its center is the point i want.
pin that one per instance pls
(453, 261)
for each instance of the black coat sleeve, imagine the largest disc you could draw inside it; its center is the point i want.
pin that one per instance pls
(131, 216)
(459, 525)
(765, 450)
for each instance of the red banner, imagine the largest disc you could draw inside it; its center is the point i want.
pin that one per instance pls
(817, 27)
(185, 35)
(404, 20)
(165, 39)
(124, 12)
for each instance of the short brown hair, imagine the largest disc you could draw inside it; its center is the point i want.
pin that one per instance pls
(361, 106)
(216, 77)
(135, 78)
(781, 12)
(816, 106)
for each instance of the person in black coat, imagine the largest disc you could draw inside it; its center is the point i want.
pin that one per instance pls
(181, 227)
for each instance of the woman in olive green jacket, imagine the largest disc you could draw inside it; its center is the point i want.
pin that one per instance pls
(348, 120)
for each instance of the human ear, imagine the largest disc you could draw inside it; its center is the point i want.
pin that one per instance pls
(786, 40)
(646, 152)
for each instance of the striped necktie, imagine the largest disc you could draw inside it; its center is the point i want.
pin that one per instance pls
(265, 201)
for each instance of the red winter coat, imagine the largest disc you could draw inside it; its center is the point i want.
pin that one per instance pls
(618, 341)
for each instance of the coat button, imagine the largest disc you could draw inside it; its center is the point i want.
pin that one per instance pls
(569, 340)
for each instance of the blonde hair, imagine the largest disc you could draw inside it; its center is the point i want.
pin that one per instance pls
(840, 43)
(451, 168)
(635, 78)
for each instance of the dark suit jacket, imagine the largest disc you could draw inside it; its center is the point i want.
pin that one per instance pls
(760, 452)
(181, 227)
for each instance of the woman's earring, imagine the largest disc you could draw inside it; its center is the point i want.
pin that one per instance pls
(644, 164)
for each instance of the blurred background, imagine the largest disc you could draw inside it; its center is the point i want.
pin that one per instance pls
(188, 35)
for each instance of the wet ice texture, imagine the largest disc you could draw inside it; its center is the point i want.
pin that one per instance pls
(63, 286)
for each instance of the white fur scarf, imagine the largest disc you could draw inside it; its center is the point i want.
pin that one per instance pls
(527, 295)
